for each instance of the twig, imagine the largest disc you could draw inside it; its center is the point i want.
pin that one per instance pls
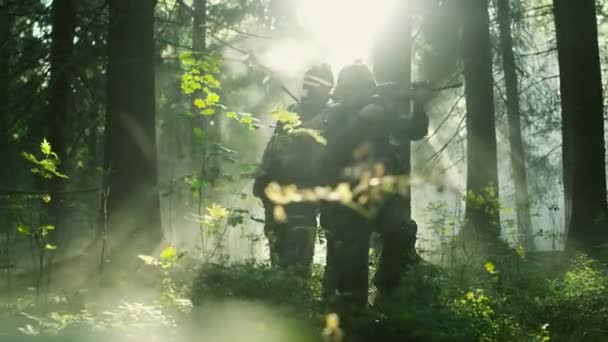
(34, 192)
(104, 232)
(460, 127)
(445, 119)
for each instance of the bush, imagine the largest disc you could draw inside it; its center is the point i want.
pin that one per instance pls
(259, 282)
(419, 309)
(577, 302)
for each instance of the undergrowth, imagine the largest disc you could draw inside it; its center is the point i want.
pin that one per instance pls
(513, 298)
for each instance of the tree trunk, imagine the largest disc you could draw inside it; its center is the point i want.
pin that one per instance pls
(210, 164)
(62, 46)
(5, 33)
(482, 216)
(393, 63)
(522, 204)
(582, 124)
(199, 29)
(133, 206)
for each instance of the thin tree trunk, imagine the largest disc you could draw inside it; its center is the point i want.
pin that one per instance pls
(524, 222)
(62, 37)
(133, 205)
(62, 46)
(210, 165)
(583, 147)
(199, 43)
(5, 33)
(482, 170)
(6, 22)
(199, 29)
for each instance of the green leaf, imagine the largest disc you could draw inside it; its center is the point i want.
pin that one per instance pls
(169, 254)
(286, 117)
(45, 147)
(50, 247)
(208, 112)
(29, 157)
(48, 227)
(187, 58)
(46, 198)
(521, 252)
(217, 212)
(490, 268)
(213, 98)
(315, 134)
(149, 260)
(23, 230)
(246, 120)
(200, 103)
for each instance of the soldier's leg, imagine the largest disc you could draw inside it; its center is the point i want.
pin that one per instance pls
(398, 238)
(271, 229)
(297, 247)
(346, 278)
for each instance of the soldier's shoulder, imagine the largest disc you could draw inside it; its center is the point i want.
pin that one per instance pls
(333, 108)
(294, 107)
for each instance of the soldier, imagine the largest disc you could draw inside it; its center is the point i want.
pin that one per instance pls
(363, 131)
(287, 160)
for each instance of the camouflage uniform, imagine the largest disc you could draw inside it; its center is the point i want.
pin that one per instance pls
(361, 135)
(289, 159)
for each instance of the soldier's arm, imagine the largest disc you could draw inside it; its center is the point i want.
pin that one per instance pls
(317, 122)
(414, 126)
(419, 122)
(265, 172)
(374, 120)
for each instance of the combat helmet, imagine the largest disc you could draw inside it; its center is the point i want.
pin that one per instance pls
(354, 79)
(319, 76)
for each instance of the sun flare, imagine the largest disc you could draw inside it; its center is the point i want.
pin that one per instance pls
(345, 29)
(337, 32)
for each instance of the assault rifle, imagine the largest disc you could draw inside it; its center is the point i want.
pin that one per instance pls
(393, 93)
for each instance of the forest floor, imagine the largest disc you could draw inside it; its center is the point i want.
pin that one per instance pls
(510, 298)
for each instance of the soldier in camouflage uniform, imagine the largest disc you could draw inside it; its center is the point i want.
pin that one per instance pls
(363, 133)
(288, 159)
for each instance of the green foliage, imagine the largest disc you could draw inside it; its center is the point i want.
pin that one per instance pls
(38, 234)
(252, 281)
(46, 167)
(444, 224)
(200, 75)
(291, 124)
(170, 294)
(577, 301)
(478, 307)
(201, 81)
(420, 309)
(290, 120)
(433, 304)
(244, 118)
(195, 184)
(487, 201)
(127, 319)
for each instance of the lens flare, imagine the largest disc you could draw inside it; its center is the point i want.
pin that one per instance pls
(345, 29)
